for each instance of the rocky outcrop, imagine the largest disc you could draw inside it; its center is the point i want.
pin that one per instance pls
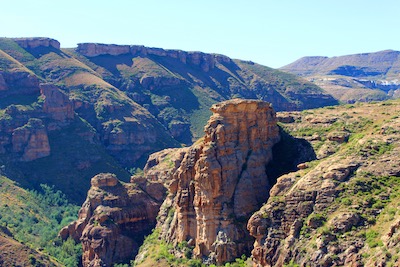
(222, 180)
(24, 129)
(162, 165)
(35, 42)
(18, 82)
(114, 219)
(31, 141)
(277, 225)
(205, 61)
(95, 49)
(330, 212)
(56, 103)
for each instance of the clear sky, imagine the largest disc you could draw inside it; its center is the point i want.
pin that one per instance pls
(270, 32)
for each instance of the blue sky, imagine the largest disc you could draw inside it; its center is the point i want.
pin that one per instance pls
(272, 33)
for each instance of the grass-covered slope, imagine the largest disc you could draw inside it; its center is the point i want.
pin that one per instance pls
(179, 92)
(72, 163)
(29, 224)
(127, 130)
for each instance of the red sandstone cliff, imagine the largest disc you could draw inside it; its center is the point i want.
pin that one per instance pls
(114, 219)
(222, 180)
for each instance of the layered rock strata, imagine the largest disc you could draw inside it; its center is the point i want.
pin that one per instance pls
(30, 141)
(56, 103)
(203, 60)
(24, 131)
(221, 181)
(35, 42)
(114, 219)
(18, 82)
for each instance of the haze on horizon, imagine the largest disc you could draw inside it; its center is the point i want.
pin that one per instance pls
(272, 33)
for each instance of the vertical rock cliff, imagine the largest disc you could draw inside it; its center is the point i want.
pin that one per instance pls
(213, 188)
(114, 219)
(222, 180)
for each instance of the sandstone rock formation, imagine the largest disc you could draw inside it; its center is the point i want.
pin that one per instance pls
(222, 180)
(31, 140)
(18, 82)
(114, 219)
(35, 42)
(278, 223)
(56, 103)
(24, 132)
(93, 49)
(205, 61)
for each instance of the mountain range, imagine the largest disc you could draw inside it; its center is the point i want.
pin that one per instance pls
(351, 78)
(175, 158)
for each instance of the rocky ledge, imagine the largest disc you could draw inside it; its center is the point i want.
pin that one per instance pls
(35, 42)
(203, 60)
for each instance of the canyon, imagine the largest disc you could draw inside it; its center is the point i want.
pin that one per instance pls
(219, 200)
(179, 161)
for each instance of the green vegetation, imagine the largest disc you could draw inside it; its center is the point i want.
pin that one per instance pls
(35, 218)
(156, 251)
(70, 166)
(291, 264)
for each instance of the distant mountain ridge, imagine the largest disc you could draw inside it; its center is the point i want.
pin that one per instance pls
(371, 76)
(385, 64)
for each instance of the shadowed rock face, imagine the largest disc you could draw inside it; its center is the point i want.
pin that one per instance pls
(222, 180)
(25, 135)
(31, 141)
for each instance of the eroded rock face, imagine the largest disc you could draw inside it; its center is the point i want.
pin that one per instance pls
(277, 225)
(324, 213)
(205, 61)
(56, 103)
(114, 219)
(36, 42)
(222, 180)
(18, 82)
(94, 49)
(24, 135)
(31, 141)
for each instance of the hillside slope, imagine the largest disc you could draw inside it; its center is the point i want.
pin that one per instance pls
(364, 77)
(68, 114)
(341, 209)
(178, 87)
(29, 224)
